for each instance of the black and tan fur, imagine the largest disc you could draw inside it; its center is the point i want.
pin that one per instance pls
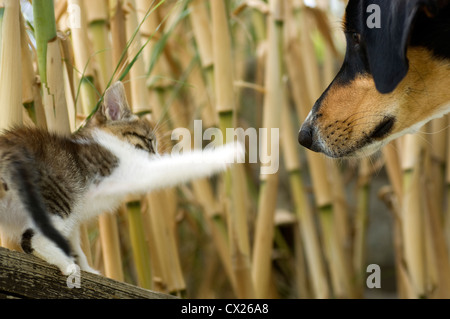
(392, 81)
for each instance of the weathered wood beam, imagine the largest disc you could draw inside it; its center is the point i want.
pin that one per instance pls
(26, 276)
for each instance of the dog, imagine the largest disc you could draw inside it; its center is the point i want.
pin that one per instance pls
(395, 77)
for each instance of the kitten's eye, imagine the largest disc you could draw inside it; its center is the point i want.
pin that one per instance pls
(356, 37)
(139, 147)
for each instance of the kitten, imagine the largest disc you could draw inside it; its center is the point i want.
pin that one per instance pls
(50, 184)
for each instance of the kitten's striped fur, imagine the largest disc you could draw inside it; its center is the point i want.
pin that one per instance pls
(49, 184)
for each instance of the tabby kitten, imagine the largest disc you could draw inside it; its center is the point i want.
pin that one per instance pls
(50, 184)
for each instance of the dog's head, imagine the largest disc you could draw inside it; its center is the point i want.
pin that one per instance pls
(395, 77)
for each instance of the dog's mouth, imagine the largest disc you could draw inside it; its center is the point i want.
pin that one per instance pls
(344, 138)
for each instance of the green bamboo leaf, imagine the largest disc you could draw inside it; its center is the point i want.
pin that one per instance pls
(44, 31)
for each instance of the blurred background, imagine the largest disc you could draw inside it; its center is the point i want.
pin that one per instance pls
(308, 231)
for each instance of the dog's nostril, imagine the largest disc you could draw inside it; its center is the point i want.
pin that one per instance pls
(383, 128)
(305, 137)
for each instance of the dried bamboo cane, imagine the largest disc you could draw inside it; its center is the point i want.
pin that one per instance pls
(138, 75)
(97, 24)
(337, 256)
(269, 182)
(81, 46)
(109, 233)
(303, 209)
(394, 171)
(109, 238)
(307, 227)
(447, 189)
(139, 245)
(393, 168)
(10, 73)
(138, 101)
(361, 220)
(225, 106)
(202, 33)
(162, 213)
(212, 206)
(2, 11)
(50, 67)
(83, 62)
(438, 139)
(439, 262)
(412, 213)
(137, 237)
(202, 188)
(118, 38)
(10, 67)
(31, 96)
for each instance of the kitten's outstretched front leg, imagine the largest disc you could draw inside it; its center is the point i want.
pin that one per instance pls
(140, 173)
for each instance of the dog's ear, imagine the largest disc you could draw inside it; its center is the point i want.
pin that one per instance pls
(386, 45)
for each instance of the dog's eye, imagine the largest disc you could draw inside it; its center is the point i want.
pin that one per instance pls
(356, 37)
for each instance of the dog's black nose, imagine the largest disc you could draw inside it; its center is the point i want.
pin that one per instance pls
(305, 136)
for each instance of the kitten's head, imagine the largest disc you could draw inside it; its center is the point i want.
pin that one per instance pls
(115, 117)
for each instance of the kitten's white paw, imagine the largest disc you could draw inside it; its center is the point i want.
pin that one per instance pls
(240, 152)
(69, 269)
(234, 153)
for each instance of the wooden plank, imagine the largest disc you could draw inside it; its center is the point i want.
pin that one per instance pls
(26, 276)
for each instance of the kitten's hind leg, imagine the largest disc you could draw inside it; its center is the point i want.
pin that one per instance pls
(39, 245)
(79, 254)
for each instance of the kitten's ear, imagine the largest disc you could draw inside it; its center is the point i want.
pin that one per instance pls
(115, 105)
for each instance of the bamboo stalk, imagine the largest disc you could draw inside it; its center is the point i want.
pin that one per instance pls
(50, 67)
(108, 226)
(393, 168)
(118, 38)
(200, 26)
(447, 191)
(97, 21)
(303, 284)
(438, 139)
(10, 69)
(2, 11)
(83, 59)
(269, 182)
(307, 228)
(119, 47)
(225, 106)
(361, 221)
(337, 255)
(45, 30)
(139, 245)
(109, 238)
(31, 96)
(412, 214)
(162, 205)
(138, 93)
(138, 74)
(212, 209)
(440, 265)
(160, 218)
